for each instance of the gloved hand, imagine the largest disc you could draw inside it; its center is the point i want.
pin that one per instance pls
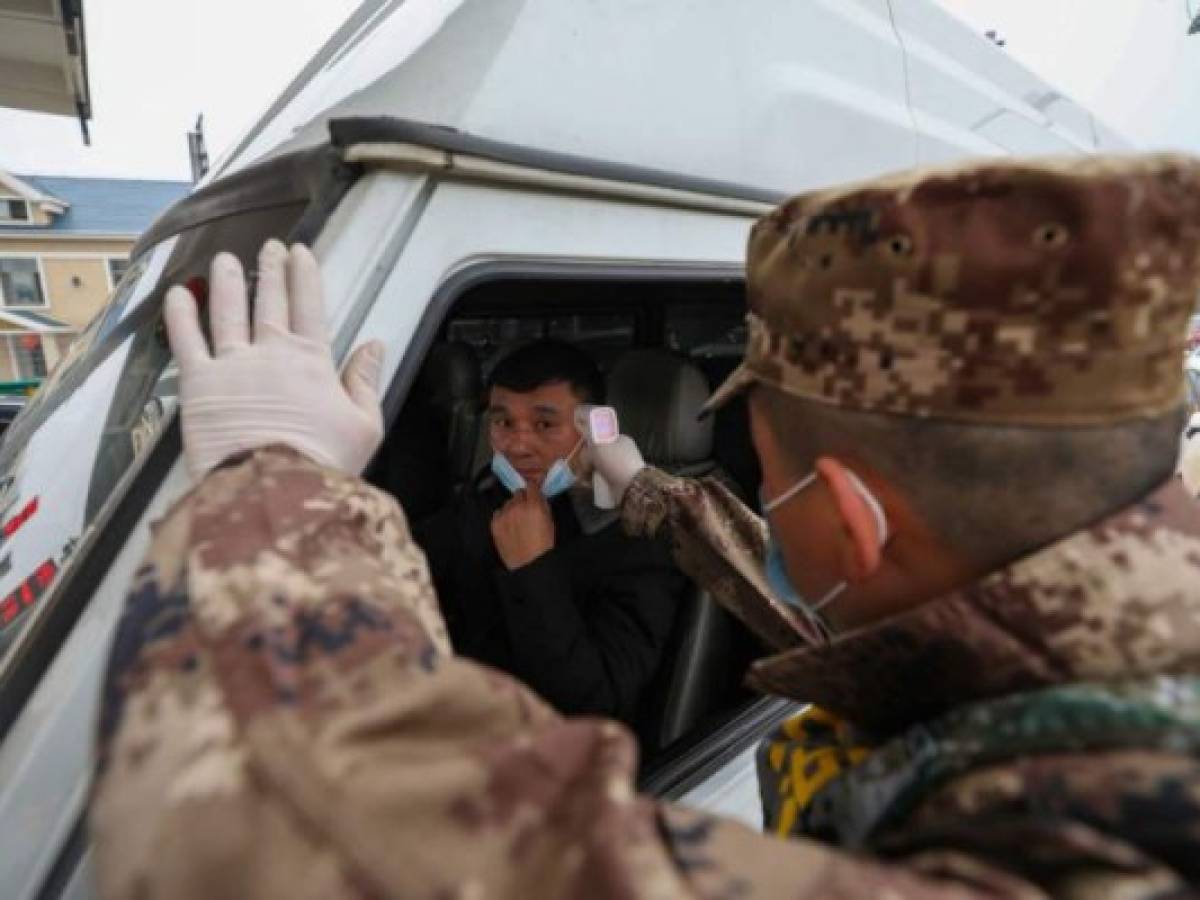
(617, 463)
(279, 386)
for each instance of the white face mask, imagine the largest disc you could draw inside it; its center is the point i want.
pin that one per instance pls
(776, 569)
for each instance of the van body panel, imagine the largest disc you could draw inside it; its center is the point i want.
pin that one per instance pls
(780, 96)
(46, 757)
(967, 83)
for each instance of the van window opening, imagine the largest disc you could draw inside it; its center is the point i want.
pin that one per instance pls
(697, 319)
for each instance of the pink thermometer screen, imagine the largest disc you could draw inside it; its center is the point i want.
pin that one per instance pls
(602, 422)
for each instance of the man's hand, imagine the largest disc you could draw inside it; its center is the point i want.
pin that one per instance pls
(523, 529)
(277, 385)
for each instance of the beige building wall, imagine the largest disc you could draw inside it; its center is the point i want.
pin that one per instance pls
(75, 273)
(8, 371)
(76, 287)
(76, 281)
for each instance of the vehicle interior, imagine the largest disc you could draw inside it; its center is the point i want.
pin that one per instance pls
(663, 346)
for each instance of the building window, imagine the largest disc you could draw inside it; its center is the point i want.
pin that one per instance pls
(29, 358)
(21, 283)
(13, 210)
(117, 267)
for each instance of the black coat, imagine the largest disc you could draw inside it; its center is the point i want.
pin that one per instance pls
(585, 625)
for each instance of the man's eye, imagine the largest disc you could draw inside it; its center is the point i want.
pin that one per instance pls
(545, 426)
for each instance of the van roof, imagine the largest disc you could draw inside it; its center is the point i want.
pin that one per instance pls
(778, 100)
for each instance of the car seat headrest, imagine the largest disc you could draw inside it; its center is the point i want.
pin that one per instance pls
(450, 376)
(450, 387)
(658, 396)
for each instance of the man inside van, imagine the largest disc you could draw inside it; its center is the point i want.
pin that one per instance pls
(966, 394)
(530, 576)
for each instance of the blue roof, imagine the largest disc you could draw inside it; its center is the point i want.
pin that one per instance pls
(104, 205)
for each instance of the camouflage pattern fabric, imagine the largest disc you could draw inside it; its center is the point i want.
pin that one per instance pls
(283, 717)
(837, 789)
(1116, 601)
(721, 544)
(1078, 644)
(1008, 292)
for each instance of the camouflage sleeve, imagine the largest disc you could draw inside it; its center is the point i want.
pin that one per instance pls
(720, 544)
(283, 717)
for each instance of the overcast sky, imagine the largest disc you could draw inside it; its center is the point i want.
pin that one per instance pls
(1130, 61)
(155, 64)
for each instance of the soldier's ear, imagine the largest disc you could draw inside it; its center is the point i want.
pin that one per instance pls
(861, 552)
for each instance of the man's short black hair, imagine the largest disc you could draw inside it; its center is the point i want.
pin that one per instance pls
(543, 362)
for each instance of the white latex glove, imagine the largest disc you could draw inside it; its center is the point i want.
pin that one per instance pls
(279, 387)
(617, 463)
(1189, 458)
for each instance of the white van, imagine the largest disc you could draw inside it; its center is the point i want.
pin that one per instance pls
(472, 173)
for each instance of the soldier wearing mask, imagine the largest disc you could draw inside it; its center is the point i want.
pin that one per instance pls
(976, 564)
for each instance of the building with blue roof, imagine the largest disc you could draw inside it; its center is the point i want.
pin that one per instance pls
(64, 245)
(105, 206)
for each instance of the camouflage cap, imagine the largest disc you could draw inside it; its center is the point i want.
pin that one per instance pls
(1010, 292)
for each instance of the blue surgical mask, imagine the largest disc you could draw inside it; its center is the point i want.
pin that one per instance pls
(506, 474)
(776, 568)
(560, 478)
(781, 585)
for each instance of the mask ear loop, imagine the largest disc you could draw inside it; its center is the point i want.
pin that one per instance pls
(873, 504)
(574, 450)
(570, 456)
(791, 492)
(831, 595)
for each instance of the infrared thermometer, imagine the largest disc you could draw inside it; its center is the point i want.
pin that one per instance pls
(598, 425)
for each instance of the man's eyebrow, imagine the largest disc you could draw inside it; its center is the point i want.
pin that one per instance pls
(496, 408)
(548, 408)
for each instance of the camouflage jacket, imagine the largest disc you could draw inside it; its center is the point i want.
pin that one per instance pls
(283, 716)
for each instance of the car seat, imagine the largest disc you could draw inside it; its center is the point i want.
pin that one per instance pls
(658, 396)
(456, 394)
(732, 447)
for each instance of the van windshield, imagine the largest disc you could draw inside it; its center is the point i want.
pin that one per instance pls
(76, 447)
